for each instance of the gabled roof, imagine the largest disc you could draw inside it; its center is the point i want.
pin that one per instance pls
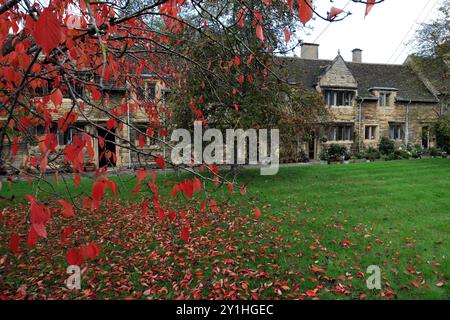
(368, 75)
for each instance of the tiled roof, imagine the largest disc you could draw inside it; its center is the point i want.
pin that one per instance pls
(368, 75)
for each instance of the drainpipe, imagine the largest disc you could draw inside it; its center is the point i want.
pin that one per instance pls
(407, 124)
(129, 132)
(359, 124)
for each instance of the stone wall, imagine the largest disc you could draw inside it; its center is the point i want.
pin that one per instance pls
(414, 118)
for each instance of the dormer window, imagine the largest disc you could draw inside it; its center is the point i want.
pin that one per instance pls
(384, 99)
(338, 98)
(386, 95)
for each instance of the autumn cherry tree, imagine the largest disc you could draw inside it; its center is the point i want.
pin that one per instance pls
(67, 61)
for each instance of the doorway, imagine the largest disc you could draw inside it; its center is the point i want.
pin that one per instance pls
(312, 146)
(426, 137)
(107, 155)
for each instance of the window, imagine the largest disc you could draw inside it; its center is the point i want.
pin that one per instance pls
(342, 132)
(384, 99)
(338, 98)
(67, 137)
(148, 92)
(396, 131)
(371, 133)
(143, 132)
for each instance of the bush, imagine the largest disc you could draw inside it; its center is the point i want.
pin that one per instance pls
(359, 155)
(402, 154)
(324, 154)
(334, 152)
(302, 156)
(442, 128)
(373, 154)
(435, 152)
(386, 146)
(417, 152)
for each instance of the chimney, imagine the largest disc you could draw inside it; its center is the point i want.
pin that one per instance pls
(357, 55)
(310, 51)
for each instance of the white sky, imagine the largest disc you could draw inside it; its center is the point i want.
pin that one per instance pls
(382, 35)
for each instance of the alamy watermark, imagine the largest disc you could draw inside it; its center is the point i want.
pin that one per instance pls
(374, 281)
(250, 146)
(74, 280)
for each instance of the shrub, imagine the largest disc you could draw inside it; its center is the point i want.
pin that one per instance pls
(302, 156)
(434, 152)
(324, 154)
(359, 155)
(401, 154)
(334, 152)
(417, 152)
(386, 145)
(373, 154)
(442, 128)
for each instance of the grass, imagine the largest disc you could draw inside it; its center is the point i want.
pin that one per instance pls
(403, 202)
(321, 227)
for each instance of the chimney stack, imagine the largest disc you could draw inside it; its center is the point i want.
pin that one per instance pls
(310, 51)
(357, 55)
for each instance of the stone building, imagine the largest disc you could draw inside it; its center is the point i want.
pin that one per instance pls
(116, 135)
(367, 101)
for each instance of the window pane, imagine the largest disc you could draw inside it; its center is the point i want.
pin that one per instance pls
(367, 133)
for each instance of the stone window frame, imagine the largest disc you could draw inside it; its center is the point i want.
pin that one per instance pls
(386, 97)
(332, 135)
(400, 126)
(376, 132)
(335, 92)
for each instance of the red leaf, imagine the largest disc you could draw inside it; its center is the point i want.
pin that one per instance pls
(87, 203)
(185, 234)
(67, 211)
(287, 35)
(96, 94)
(241, 79)
(415, 284)
(76, 179)
(334, 12)
(14, 242)
(369, 6)
(101, 142)
(65, 233)
(241, 17)
(73, 257)
(159, 161)
(98, 189)
(40, 214)
(48, 33)
(89, 251)
(57, 98)
(89, 148)
(257, 213)
(32, 238)
(15, 146)
(142, 140)
(172, 215)
(305, 10)
(259, 33)
(230, 187)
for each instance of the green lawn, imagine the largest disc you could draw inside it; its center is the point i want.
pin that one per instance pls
(328, 223)
(401, 202)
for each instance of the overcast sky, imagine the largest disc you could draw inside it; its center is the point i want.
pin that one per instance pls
(382, 35)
